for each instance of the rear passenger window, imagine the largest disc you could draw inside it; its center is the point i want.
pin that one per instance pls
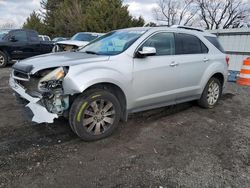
(163, 43)
(189, 44)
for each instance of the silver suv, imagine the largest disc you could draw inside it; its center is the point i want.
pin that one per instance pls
(122, 72)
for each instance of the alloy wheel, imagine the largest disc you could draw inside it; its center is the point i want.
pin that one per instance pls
(98, 117)
(213, 93)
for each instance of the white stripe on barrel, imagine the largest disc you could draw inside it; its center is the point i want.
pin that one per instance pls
(244, 75)
(247, 67)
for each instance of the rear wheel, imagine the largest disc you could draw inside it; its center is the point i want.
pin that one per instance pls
(95, 115)
(211, 94)
(3, 60)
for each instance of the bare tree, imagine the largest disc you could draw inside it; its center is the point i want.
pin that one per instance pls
(8, 25)
(224, 14)
(180, 12)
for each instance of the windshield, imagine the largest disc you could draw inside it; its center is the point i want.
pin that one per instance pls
(113, 43)
(84, 36)
(3, 33)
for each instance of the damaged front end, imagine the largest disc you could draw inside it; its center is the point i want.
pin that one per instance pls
(43, 92)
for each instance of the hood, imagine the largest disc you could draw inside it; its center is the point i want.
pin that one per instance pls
(73, 42)
(51, 60)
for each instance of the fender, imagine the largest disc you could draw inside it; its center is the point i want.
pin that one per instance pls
(78, 81)
(215, 67)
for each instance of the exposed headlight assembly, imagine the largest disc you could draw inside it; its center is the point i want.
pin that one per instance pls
(52, 80)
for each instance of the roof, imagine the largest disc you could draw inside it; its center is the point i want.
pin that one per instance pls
(23, 30)
(89, 33)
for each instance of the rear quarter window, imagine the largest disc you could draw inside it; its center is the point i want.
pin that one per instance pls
(215, 42)
(33, 36)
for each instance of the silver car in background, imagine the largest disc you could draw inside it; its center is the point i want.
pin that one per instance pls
(122, 72)
(77, 41)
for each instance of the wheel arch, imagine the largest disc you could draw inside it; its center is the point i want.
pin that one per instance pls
(220, 77)
(115, 90)
(5, 53)
(216, 69)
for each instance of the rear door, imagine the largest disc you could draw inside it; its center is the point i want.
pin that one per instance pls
(192, 59)
(34, 44)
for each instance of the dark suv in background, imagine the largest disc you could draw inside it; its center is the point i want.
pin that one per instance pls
(20, 44)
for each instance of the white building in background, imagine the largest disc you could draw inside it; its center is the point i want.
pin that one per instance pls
(236, 43)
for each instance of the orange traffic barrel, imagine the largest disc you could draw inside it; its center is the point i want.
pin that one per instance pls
(244, 78)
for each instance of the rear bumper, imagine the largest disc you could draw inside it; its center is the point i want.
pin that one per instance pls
(39, 112)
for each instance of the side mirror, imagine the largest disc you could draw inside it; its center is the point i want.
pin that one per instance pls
(147, 51)
(13, 39)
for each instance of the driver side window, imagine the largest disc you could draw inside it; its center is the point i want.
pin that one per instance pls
(164, 43)
(20, 36)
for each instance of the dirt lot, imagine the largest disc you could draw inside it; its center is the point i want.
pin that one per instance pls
(181, 146)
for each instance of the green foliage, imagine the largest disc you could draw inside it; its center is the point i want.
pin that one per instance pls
(49, 10)
(34, 22)
(106, 15)
(70, 17)
(67, 17)
(151, 24)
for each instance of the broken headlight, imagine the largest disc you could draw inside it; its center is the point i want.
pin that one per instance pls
(52, 80)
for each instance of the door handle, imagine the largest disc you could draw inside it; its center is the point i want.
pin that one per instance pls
(174, 64)
(205, 60)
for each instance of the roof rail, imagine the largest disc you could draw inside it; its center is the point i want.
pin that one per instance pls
(162, 26)
(187, 27)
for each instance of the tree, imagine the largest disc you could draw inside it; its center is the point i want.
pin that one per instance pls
(70, 18)
(48, 10)
(8, 25)
(107, 15)
(34, 22)
(150, 24)
(224, 14)
(175, 12)
(210, 14)
(67, 17)
(138, 22)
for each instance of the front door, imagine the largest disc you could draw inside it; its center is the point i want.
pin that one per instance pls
(18, 44)
(154, 77)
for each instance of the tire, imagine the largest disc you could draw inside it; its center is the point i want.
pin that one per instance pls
(3, 60)
(95, 114)
(211, 94)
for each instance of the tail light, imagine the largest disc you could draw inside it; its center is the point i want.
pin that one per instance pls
(227, 60)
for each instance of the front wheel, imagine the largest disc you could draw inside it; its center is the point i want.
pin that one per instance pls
(211, 94)
(95, 115)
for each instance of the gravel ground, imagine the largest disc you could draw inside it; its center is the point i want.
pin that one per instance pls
(179, 146)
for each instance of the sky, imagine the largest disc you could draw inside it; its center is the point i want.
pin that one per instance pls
(16, 11)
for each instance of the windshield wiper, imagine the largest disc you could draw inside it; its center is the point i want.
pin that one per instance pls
(91, 52)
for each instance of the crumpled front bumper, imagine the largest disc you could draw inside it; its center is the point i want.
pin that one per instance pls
(40, 113)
